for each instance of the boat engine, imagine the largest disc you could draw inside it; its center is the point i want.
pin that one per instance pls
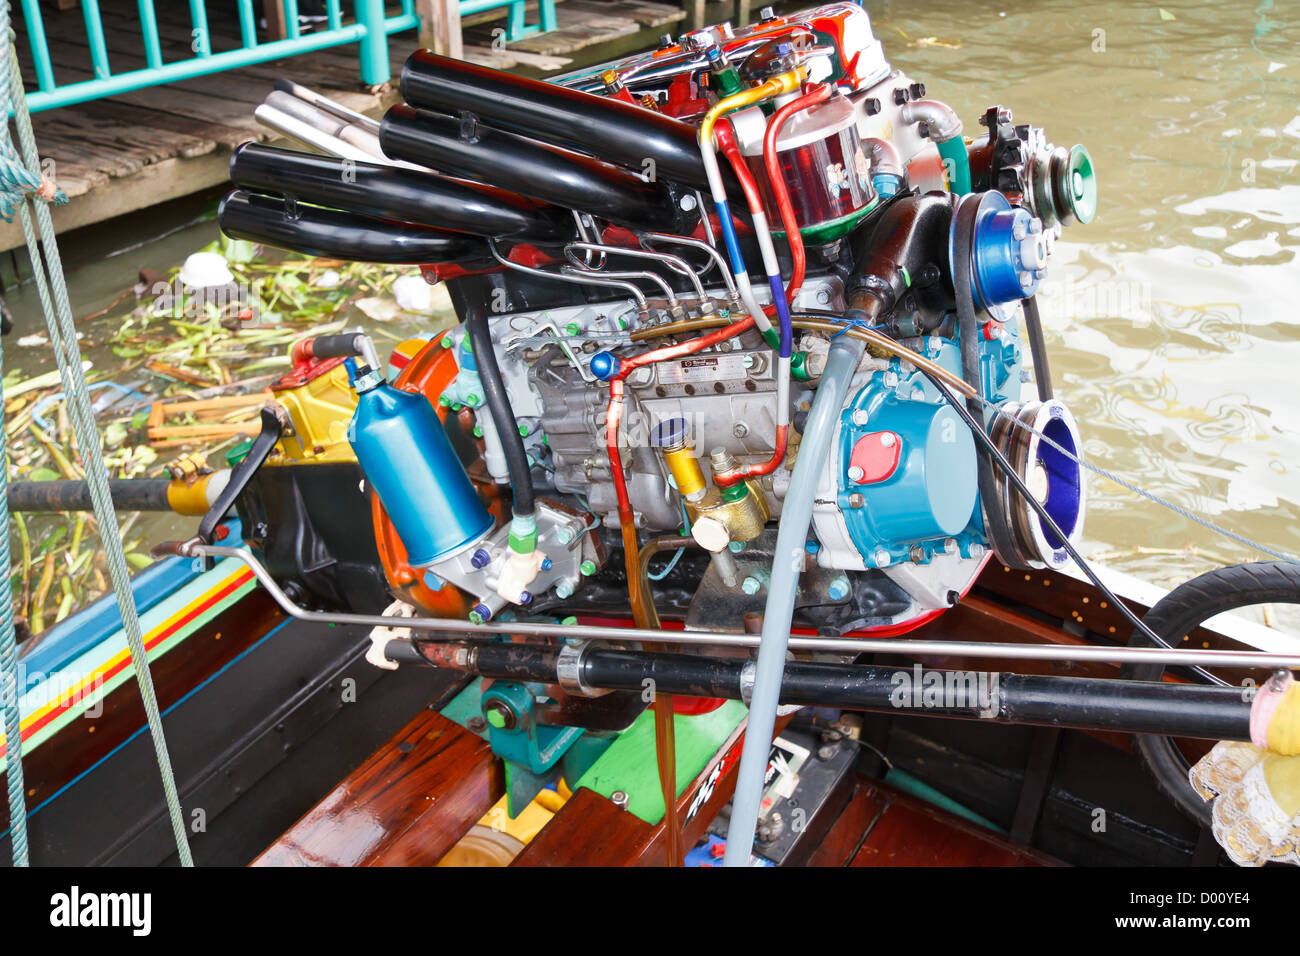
(658, 265)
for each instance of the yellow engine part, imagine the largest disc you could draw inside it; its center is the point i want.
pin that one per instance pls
(496, 839)
(320, 410)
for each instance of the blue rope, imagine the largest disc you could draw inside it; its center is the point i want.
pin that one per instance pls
(17, 182)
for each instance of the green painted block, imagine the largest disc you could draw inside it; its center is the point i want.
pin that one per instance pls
(629, 764)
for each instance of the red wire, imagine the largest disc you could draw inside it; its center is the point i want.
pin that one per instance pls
(614, 410)
(779, 190)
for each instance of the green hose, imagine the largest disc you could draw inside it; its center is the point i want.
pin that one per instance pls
(957, 165)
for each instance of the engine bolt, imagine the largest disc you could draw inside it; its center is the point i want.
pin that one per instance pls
(620, 799)
(838, 589)
(740, 429)
(882, 557)
(547, 564)
(856, 473)
(480, 559)
(525, 597)
(500, 715)
(751, 585)
(564, 535)
(887, 440)
(736, 546)
(857, 500)
(588, 568)
(916, 554)
(481, 614)
(860, 417)
(564, 589)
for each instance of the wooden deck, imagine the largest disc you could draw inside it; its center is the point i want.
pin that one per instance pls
(122, 154)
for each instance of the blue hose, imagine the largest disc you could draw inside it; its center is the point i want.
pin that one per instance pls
(791, 538)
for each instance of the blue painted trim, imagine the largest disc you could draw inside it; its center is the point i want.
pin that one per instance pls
(144, 727)
(79, 632)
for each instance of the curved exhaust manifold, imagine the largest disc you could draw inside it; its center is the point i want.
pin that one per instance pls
(317, 231)
(464, 147)
(392, 192)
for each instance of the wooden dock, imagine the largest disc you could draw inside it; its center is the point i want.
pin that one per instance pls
(119, 155)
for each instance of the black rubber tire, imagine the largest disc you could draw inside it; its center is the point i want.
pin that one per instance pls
(1182, 609)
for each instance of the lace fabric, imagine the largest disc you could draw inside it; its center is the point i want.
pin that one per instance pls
(1256, 794)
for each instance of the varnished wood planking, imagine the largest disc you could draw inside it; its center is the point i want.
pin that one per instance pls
(909, 832)
(83, 742)
(405, 806)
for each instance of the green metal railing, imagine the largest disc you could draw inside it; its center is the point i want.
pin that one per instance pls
(369, 30)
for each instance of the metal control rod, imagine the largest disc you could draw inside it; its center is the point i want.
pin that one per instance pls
(455, 628)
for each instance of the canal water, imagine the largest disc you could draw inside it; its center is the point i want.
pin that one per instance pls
(1171, 320)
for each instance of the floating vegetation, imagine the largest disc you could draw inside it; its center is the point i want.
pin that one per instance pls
(217, 328)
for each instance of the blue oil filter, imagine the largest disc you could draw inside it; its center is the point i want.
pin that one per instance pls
(409, 461)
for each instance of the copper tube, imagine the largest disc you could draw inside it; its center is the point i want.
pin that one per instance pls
(870, 336)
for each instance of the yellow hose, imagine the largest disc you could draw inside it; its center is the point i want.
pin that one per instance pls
(776, 86)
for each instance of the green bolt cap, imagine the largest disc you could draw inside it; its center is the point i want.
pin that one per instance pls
(444, 401)
(475, 617)
(588, 568)
(478, 431)
(573, 328)
(473, 401)
(496, 718)
(446, 341)
(523, 430)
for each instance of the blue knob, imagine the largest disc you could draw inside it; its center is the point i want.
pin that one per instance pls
(669, 434)
(605, 365)
(546, 564)
(525, 597)
(480, 559)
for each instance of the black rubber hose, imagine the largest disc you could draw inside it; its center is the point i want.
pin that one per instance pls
(1037, 348)
(1175, 615)
(503, 416)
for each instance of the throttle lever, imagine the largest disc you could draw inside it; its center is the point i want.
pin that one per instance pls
(274, 421)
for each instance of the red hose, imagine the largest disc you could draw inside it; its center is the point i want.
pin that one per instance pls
(780, 192)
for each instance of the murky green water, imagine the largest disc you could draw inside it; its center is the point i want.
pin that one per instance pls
(1172, 319)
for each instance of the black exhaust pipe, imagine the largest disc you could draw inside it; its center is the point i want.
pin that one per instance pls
(464, 147)
(608, 128)
(317, 231)
(391, 192)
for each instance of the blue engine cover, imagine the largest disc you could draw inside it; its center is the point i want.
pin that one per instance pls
(913, 459)
(408, 459)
